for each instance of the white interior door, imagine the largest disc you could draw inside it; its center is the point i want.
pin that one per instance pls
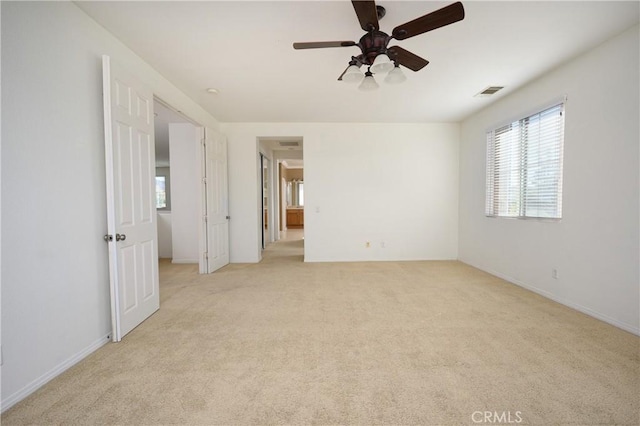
(217, 200)
(131, 211)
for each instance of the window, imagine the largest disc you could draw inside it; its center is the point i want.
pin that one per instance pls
(524, 166)
(161, 192)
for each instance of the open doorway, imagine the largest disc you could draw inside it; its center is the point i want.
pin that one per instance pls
(167, 191)
(292, 180)
(282, 188)
(191, 191)
(266, 199)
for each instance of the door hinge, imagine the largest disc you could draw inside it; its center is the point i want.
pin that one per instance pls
(205, 218)
(204, 180)
(206, 255)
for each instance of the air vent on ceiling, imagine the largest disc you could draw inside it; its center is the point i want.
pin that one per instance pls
(490, 90)
(289, 144)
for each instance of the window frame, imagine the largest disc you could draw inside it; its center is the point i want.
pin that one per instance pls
(520, 153)
(166, 193)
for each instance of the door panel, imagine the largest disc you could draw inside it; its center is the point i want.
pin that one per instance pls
(217, 200)
(128, 274)
(147, 193)
(131, 213)
(123, 154)
(148, 280)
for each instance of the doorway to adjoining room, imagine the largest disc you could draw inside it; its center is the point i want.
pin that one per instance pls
(282, 189)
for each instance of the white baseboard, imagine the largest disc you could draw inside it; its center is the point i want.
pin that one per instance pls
(380, 260)
(56, 371)
(602, 317)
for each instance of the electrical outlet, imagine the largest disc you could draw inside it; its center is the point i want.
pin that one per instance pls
(554, 273)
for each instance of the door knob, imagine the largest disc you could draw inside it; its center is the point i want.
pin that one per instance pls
(121, 237)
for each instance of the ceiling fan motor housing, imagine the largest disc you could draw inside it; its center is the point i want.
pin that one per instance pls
(372, 44)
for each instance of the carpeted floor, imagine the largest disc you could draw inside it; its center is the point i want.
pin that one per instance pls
(388, 343)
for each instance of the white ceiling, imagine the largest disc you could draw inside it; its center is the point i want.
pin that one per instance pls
(244, 49)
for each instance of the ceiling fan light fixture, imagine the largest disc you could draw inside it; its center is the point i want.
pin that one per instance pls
(395, 76)
(353, 74)
(368, 83)
(381, 64)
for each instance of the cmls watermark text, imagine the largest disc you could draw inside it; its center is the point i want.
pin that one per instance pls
(497, 417)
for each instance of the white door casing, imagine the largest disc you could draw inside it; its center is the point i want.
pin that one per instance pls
(217, 200)
(131, 211)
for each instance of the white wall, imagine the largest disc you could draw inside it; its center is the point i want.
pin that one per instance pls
(184, 157)
(595, 247)
(165, 237)
(402, 180)
(165, 240)
(55, 285)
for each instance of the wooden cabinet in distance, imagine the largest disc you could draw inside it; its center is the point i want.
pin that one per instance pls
(295, 218)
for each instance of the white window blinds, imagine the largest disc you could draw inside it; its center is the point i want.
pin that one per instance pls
(524, 166)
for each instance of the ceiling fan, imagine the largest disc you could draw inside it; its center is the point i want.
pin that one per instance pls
(375, 53)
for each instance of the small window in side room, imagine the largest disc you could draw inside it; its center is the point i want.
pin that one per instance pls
(161, 192)
(524, 166)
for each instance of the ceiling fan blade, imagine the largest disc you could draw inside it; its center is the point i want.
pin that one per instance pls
(406, 58)
(445, 16)
(320, 44)
(367, 14)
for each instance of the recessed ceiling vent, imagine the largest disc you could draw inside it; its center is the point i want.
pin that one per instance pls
(288, 144)
(490, 91)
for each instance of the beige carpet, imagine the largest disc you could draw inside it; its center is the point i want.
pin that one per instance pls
(392, 343)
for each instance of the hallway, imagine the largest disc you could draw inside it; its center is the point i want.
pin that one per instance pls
(289, 249)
